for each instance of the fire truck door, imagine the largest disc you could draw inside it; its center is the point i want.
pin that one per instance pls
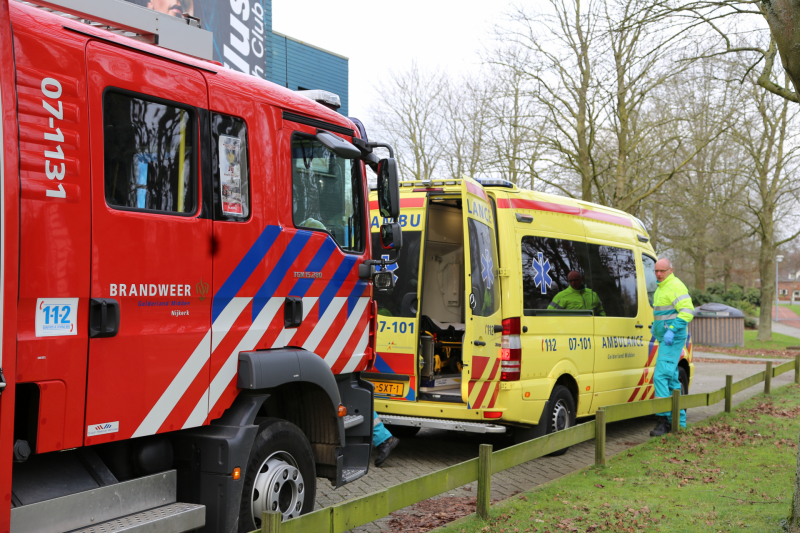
(483, 316)
(151, 247)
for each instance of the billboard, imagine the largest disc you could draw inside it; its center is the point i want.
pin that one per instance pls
(242, 29)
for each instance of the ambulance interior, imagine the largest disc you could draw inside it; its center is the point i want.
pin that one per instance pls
(442, 300)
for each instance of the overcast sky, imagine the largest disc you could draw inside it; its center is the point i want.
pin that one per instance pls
(380, 36)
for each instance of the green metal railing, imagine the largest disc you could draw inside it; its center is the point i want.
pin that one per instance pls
(359, 511)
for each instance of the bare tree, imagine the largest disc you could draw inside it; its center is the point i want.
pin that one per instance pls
(466, 120)
(408, 115)
(563, 46)
(772, 184)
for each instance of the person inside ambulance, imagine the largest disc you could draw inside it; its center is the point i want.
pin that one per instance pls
(577, 296)
(672, 311)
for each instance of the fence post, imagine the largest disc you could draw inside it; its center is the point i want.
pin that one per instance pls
(728, 393)
(271, 522)
(600, 437)
(484, 480)
(797, 368)
(768, 378)
(676, 411)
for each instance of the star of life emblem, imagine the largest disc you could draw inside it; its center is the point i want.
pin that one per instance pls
(390, 268)
(542, 278)
(486, 269)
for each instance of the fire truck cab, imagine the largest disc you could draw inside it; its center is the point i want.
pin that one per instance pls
(185, 280)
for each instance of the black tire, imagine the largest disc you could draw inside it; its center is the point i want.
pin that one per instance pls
(403, 432)
(281, 457)
(561, 413)
(683, 377)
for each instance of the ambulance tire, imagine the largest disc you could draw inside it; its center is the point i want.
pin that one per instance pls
(683, 377)
(282, 458)
(561, 413)
(403, 432)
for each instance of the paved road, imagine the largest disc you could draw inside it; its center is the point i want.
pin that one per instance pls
(432, 450)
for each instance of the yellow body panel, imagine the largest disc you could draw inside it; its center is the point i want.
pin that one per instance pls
(603, 360)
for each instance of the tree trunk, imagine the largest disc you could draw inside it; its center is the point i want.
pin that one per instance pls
(766, 269)
(783, 17)
(700, 272)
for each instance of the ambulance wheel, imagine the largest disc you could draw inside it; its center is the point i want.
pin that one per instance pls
(280, 474)
(683, 377)
(403, 432)
(561, 413)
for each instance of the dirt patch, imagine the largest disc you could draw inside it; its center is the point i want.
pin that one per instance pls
(430, 514)
(786, 354)
(770, 409)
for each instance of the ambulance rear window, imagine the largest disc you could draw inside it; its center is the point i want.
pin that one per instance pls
(150, 154)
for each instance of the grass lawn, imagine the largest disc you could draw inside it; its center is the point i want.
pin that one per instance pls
(733, 472)
(779, 341)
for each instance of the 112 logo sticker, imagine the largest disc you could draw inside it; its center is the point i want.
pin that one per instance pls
(56, 317)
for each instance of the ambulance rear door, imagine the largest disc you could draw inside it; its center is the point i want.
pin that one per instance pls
(150, 312)
(482, 315)
(397, 340)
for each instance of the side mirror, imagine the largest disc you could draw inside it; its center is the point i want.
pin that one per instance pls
(383, 280)
(388, 189)
(338, 146)
(391, 236)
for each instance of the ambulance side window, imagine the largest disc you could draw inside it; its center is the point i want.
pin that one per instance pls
(150, 150)
(483, 269)
(546, 265)
(327, 193)
(230, 167)
(650, 280)
(614, 279)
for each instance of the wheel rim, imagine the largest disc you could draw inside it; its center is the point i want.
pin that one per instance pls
(279, 486)
(560, 416)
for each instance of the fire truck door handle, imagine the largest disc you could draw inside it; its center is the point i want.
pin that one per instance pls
(292, 312)
(103, 317)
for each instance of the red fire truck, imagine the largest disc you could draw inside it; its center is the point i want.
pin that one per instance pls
(185, 290)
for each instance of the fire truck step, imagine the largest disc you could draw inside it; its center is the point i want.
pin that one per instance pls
(352, 421)
(435, 423)
(351, 474)
(172, 518)
(149, 502)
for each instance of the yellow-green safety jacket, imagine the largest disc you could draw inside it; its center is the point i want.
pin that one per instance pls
(584, 298)
(672, 308)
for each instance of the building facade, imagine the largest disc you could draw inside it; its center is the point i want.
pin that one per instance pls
(244, 41)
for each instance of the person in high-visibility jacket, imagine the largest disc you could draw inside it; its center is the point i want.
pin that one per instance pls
(672, 310)
(577, 296)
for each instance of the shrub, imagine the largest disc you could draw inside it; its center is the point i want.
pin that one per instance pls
(753, 296)
(717, 288)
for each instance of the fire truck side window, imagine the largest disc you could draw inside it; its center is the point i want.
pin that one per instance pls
(230, 167)
(150, 154)
(326, 193)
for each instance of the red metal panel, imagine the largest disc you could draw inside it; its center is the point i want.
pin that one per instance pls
(9, 225)
(145, 378)
(55, 207)
(52, 403)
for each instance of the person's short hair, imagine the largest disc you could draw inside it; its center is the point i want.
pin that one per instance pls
(667, 260)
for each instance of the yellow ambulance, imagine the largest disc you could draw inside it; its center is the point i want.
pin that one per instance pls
(513, 311)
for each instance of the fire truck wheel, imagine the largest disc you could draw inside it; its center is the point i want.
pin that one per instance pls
(280, 474)
(402, 432)
(561, 413)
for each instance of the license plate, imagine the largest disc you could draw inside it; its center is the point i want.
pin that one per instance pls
(392, 389)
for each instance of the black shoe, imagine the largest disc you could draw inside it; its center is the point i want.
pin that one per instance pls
(385, 448)
(663, 427)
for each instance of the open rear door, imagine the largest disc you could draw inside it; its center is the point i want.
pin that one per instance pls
(483, 316)
(398, 309)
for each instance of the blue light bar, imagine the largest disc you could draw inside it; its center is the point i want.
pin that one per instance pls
(495, 182)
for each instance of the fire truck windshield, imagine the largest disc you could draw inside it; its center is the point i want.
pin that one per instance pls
(326, 193)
